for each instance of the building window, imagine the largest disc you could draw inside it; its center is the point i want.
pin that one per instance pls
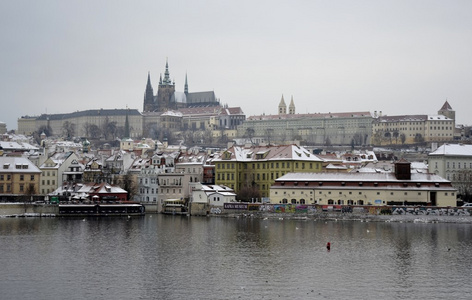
(22, 177)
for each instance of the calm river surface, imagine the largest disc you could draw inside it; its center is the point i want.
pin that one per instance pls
(168, 257)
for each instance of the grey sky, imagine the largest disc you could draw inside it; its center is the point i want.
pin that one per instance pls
(398, 57)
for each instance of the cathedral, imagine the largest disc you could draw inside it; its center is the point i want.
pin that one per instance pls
(167, 98)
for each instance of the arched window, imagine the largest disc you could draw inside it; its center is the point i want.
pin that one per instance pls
(284, 200)
(360, 202)
(330, 201)
(294, 201)
(302, 201)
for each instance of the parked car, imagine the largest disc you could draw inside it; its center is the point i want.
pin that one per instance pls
(467, 205)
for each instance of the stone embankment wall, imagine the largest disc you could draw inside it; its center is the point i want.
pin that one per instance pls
(9, 209)
(337, 212)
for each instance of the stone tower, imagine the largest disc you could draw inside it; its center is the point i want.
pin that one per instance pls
(447, 111)
(165, 92)
(282, 107)
(291, 107)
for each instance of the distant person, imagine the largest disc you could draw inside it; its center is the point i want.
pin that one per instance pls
(328, 246)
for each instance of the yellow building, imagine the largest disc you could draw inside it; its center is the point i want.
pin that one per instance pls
(258, 167)
(18, 176)
(414, 129)
(396, 188)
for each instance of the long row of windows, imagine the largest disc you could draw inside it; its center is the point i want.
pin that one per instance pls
(460, 165)
(7, 188)
(22, 177)
(267, 165)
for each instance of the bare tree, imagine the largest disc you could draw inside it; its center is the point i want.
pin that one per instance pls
(388, 135)
(249, 134)
(395, 135)
(402, 138)
(129, 184)
(109, 129)
(95, 131)
(464, 185)
(68, 129)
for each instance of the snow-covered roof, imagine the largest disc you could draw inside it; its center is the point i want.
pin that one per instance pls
(266, 153)
(17, 165)
(438, 117)
(453, 150)
(11, 146)
(362, 176)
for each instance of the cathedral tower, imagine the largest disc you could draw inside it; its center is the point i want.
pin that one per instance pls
(291, 107)
(165, 92)
(282, 107)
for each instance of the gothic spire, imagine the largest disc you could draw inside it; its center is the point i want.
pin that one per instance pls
(148, 84)
(166, 74)
(291, 107)
(127, 134)
(282, 106)
(186, 85)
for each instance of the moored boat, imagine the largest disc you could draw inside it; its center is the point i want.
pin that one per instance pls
(120, 209)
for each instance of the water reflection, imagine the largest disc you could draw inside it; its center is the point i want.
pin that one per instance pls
(172, 257)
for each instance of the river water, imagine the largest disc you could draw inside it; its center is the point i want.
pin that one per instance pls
(169, 257)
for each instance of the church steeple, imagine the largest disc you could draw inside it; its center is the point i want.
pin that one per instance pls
(186, 85)
(167, 80)
(127, 133)
(291, 107)
(148, 95)
(282, 107)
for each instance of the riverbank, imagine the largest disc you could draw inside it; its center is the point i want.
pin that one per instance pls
(401, 214)
(360, 217)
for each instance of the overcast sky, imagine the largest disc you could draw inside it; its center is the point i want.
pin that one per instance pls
(398, 57)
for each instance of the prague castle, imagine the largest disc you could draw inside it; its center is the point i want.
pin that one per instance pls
(168, 99)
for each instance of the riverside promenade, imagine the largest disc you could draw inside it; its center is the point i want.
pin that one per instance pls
(289, 212)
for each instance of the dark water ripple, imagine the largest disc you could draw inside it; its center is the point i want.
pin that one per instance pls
(164, 257)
